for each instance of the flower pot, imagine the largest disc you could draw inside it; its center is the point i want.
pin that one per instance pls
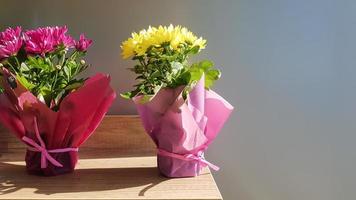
(68, 161)
(182, 129)
(53, 137)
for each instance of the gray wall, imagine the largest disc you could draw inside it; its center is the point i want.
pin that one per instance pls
(288, 67)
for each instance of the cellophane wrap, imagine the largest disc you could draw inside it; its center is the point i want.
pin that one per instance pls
(80, 113)
(182, 129)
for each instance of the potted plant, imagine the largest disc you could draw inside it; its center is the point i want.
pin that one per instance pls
(178, 109)
(42, 100)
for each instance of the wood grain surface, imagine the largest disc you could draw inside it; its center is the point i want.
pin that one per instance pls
(117, 162)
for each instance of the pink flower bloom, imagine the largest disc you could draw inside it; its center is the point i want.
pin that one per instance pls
(10, 42)
(60, 37)
(39, 41)
(83, 44)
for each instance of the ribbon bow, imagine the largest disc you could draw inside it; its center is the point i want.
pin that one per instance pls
(189, 157)
(45, 154)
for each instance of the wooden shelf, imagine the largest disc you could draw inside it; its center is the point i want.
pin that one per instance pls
(118, 162)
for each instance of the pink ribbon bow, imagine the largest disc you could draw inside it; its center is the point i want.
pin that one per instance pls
(45, 154)
(189, 157)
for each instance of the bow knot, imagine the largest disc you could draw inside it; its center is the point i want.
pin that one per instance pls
(45, 153)
(189, 157)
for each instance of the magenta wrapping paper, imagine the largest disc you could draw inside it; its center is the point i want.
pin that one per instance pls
(183, 129)
(79, 115)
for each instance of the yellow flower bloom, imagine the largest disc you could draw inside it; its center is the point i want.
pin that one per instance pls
(173, 35)
(200, 42)
(128, 48)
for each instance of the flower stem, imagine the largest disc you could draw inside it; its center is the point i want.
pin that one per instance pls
(18, 64)
(11, 66)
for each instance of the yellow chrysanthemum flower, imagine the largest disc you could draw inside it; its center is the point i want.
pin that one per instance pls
(174, 35)
(128, 48)
(200, 42)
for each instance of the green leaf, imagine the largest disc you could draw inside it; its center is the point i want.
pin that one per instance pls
(39, 63)
(25, 82)
(74, 86)
(24, 67)
(183, 78)
(145, 98)
(155, 74)
(195, 74)
(58, 98)
(194, 50)
(206, 64)
(138, 69)
(66, 72)
(126, 95)
(206, 67)
(211, 76)
(46, 94)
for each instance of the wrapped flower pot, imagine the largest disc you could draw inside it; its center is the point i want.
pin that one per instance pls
(178, 109)
(43, 103)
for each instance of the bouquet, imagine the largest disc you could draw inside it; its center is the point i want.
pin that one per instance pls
(42, 100)
(179, 111)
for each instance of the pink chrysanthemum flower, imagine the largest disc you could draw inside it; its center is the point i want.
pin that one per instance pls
(10, 42)
(83, 44)
(61, 38)
(39, 41)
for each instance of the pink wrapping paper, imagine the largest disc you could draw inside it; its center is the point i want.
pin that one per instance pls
(53, 138)
(183, 130)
